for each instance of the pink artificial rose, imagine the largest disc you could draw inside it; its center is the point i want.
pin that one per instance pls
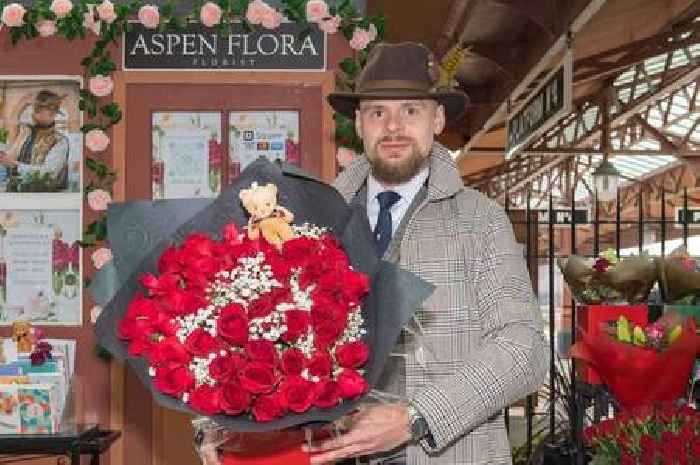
(330, 25)
(89, 22)
(106, 12)
(272, 19)
(46, 27)
(61, 8)
(257, 10)
(316, 10)
(210, 14)
(101, 257)
(13, 15)
(95, 313)
(372, 31)
(360, 39)
(345, 156)
(101, 86)
(99, 199)
(149, 16)
(96, 140)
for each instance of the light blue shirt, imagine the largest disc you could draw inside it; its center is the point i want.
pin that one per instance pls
(407, 191)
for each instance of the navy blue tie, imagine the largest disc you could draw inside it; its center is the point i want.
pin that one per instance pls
(382, 232)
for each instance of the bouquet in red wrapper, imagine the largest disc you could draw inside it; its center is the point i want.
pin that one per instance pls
(236, 325)
(642, 365)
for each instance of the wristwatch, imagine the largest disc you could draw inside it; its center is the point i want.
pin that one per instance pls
(417, 424)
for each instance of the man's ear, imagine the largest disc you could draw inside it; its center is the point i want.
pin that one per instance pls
(439, 123)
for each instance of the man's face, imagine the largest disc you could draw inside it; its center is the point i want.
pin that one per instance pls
(44, 116)
(398, 135)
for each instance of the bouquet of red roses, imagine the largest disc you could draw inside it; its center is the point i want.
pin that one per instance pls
(258, 337)
(642, 365)
(235, 325)
(649, 435)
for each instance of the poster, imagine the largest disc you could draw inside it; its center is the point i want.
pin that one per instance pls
(187, 155)
(270, 134)
(40, 263)
(40, 137)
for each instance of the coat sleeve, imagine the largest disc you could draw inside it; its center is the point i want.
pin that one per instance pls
(513, 356)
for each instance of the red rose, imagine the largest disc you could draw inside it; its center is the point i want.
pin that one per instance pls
(233, 325)
(232, 234)
(198, 244)
(180, 302)
(170, 261)
(351, 384)
(293, 361)
(297, 394)
(137, 321)
(206, 399)
(225, 369)
(162, 285)
(328, 319)
(164, 325)
(257, 378)
(138, 347)
(352, 354)
(297, 322)
(320, 364)
(201, 343)
(300, 250)
(263, 351)
(267, 408)
(169, 350)
(327, 394)
(234, 399)
(173, 379)
(281, 268)
(261, 307)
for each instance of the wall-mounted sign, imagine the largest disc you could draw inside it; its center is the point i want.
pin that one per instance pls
(693, 217)
(201, 48)
(562, 217)
(547, 105)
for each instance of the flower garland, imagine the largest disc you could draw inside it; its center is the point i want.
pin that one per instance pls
(107, 21)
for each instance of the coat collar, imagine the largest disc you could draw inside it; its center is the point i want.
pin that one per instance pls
(443, 181)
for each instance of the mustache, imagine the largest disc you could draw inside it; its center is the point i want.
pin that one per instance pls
(395, 139)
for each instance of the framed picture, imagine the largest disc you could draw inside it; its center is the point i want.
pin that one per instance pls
(187, 155)
(40, 259)
(40, 137)
(271, 134)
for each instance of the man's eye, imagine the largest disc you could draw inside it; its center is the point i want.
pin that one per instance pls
(377, 113)
(411, 111)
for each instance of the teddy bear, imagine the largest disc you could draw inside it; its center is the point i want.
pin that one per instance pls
(266, 217)
(22, 335)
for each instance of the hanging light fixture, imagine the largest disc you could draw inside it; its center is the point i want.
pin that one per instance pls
(606, 179)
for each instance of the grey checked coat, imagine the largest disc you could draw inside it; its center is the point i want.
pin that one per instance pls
(482, 325)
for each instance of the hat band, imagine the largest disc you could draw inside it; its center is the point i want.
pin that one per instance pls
(394, 84)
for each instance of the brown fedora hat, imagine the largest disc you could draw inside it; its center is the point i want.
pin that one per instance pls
(400, 71)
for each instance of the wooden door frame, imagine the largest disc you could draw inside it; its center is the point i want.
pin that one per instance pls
(122, 79)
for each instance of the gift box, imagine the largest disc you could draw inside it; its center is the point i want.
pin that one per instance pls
(590, 319)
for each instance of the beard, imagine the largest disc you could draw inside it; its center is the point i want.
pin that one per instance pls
(393, 173)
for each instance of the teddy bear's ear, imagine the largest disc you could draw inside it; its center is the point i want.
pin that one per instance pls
(271, 188)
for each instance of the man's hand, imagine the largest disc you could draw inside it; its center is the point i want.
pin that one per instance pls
(374, 429)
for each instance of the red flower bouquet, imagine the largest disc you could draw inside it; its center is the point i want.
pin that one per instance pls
(642, 365)
(660, 435)
(239, 327)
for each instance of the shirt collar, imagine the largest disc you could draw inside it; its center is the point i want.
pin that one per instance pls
(407, 190)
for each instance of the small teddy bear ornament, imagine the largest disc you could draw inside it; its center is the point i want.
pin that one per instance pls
(266, 217)
(22, 335)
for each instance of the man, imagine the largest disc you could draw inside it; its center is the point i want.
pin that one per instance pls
(478, 343)
(39, 147)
